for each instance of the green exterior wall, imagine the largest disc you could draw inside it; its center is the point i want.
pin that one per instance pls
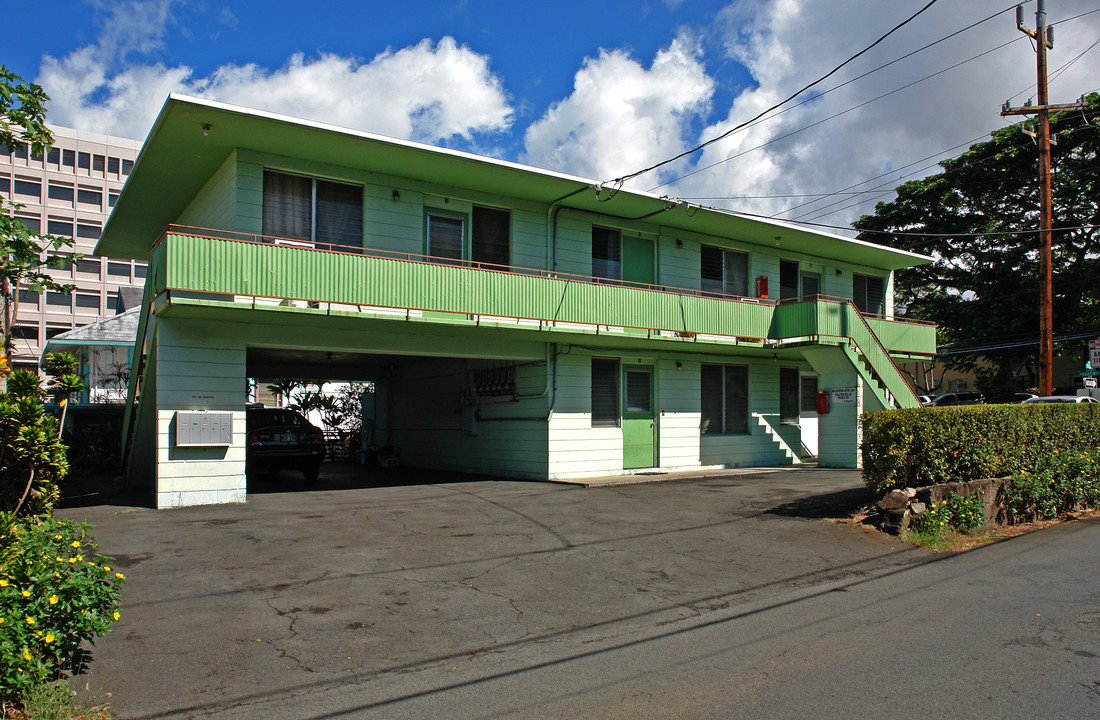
(218, 297)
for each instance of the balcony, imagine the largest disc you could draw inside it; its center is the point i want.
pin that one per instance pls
(234, 267)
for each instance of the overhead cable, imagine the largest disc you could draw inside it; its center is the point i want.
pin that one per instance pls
(618, 182)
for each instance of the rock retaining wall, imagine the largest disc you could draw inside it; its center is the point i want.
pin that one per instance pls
(899, 508)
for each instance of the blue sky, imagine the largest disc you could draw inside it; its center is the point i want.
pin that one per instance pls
(595, 89)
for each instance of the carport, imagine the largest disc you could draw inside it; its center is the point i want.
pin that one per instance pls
(198, 354)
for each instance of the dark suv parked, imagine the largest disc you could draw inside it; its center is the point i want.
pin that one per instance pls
(281, 438)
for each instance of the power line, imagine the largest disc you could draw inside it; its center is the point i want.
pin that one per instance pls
(848, 110)
(618, 182)
(754, 123)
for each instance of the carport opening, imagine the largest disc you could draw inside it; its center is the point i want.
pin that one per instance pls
(361, 403)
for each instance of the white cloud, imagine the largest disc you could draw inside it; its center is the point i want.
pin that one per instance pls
(787, 43)
(621, 115)
(429, 92)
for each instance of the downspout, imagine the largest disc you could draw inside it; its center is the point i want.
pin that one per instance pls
(552, 229)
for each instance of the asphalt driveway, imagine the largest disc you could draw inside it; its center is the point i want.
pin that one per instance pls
(358, 598)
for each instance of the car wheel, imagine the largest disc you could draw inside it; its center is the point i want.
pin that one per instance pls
(312, 472)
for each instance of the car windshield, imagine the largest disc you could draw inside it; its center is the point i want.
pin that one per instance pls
(274, 416)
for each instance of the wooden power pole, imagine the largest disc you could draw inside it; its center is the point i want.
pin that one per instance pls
(1043, 35)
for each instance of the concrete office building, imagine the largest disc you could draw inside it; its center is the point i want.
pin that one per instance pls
(69, 192)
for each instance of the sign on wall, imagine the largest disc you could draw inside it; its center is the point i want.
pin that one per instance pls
(844, 395)
(1094, 352)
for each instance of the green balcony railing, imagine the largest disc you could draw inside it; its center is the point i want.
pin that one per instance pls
(230, 264)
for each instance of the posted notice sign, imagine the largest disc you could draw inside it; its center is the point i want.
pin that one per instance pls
(1094, 353)
(844, 395)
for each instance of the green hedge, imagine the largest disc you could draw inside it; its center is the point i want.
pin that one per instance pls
(928, 446)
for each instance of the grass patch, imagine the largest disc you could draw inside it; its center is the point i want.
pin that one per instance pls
(954, 541)
(55, 701)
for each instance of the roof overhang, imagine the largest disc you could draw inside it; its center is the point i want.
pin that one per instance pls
(192, 137)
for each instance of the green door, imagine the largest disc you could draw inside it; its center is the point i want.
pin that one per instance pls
(638, 261)
(638, 424)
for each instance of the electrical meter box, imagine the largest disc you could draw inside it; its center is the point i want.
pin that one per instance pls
(203, 428)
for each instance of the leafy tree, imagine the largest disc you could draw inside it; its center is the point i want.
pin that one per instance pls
(979, 219)
(25, 255)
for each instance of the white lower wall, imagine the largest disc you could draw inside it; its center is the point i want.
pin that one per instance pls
(425, 402)
(576, 449)
(839, 434)
(199, 366)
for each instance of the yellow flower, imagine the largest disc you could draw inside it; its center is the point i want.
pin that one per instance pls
(80, 558)
(60, 559)
(53, 599)
(3, 583)
(30, 621)
(1, 621)
(25, 593)
(106, 568)
(76, 543)
(120, 576)
(49, 637)
(115, 615)
(56, 537)
(26, 654)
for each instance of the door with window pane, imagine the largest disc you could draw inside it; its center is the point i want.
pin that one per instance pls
(639, 426)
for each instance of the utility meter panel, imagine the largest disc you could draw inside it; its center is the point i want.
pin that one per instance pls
(203, 428)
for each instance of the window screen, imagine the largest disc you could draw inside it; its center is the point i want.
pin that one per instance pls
(606, 253)
(288, 206)
(85, 196)
(788, 395)
(724, 400)
(489, 236)
(724, 272)
(867, 294)
(339, 214)
(809, 394)
(61, 193)
(811, 285)
(605, 392)
(59, 227)
(788, 279)
(445, 236)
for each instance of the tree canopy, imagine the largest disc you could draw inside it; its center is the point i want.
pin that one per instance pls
(24, 253)
(979, 219)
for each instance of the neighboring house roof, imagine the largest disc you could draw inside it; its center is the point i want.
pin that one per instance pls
(192, 137)
(118, 329)
(128, 298)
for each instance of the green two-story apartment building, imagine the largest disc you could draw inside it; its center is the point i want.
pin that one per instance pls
(515, 321)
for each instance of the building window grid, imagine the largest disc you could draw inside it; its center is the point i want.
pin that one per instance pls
(35, 191)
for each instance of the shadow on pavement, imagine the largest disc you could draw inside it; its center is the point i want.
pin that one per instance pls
(839, 504)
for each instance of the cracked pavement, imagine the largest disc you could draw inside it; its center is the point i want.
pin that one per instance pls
(435, 595)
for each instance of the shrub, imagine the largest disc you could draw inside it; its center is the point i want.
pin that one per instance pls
(955, 512)
(32, 458)
(1059, 483)
(929, 446)
(56, 592)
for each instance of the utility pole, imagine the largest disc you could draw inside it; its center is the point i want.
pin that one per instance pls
(1043, 35)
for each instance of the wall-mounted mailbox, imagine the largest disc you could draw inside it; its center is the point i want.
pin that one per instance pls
(203, 428)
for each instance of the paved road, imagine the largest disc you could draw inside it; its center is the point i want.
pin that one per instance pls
(713, 597)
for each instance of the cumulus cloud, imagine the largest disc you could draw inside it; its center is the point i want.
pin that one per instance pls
(787, 43)
(622, 115)
(430, 91)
